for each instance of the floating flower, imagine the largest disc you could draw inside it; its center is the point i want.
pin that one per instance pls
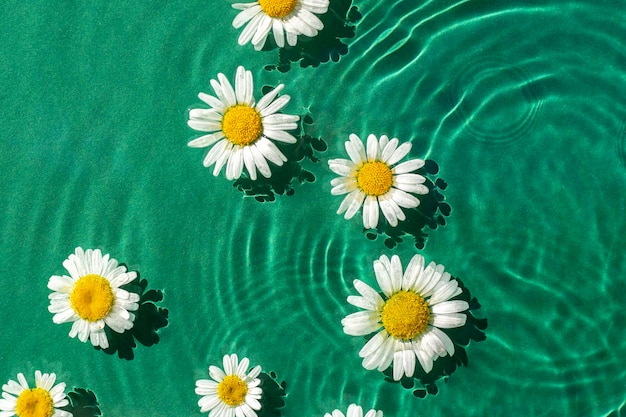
(371, 179)
(242, 131)
(91, 296)
(285, 18)
(415, 307)
(233, 391)
(354, 411)
(18, 399)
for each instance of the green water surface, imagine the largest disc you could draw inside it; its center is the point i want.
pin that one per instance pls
(522, 104)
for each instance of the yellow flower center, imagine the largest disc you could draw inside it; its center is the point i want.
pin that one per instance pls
(374, 178)
(405, 315)
(278, 8)
(92, 297)
(242, 125)
(232, 390)
(35, 402)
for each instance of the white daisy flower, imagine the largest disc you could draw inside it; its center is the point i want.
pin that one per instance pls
(413, 309)
(18, 399)
(371, 179)
(242, 131)
(284, 18)
(91, 296)
(232, 392)
(354, 411)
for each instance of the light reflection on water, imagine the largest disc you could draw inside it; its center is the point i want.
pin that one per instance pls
(521, 105)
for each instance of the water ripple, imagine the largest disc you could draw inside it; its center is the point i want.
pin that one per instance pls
(496, 100)
(621, 146)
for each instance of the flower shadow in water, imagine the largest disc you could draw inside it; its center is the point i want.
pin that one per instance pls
(423, 383)
(431, 213)
(149, 318)
(273, 398)
(281, 182)
(82, 403)
(339, 23)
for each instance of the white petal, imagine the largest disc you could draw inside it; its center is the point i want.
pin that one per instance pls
(368, 292)
(412, 188)
(280, 135)
(310, 19)
(373, 152)
(355, 149)
(386, 353)
(244, 86)
(221, 161)
(234, 166)
(386, 206)
(404, 199)
(245, 15)
(230, 363)
(316, 6)
(269, 97)
(399, 153)
(409, 179)
(354, 411)
(248, 160)
(280, 119)
(250, 30)
(446, 307)
(443, 338)
(343, 186)
(215, 152)
(424, 359)
(270, 151)
(61, 283)
(354, 203)
(242, 367)
(296, 24)
(214, 102)
(275, 106)
(216, 373)
(412, 272)
(279, 33)
(265, 24)
(395, 273)
(443, 292)
(428, 279)
(448, 321)
(373, 344)
(408, 166)
(341, 166)
(206, 140)
(370, 212)
(389, 149)
(260, 161)
(361, 323)
(292, 38)
(205, 114)
(260, 42)
(361, 302)
(383, 278)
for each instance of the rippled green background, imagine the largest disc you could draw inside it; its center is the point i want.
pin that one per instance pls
(522, 104)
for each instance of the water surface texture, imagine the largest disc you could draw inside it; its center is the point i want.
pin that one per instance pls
(521, 104)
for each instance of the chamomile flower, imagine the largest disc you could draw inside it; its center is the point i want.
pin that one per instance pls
(372, 180)
(231, 392)
(91, 297)
(354, 411)
(284, 18)
(45, 400)
(408, 317)
(241, 131)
